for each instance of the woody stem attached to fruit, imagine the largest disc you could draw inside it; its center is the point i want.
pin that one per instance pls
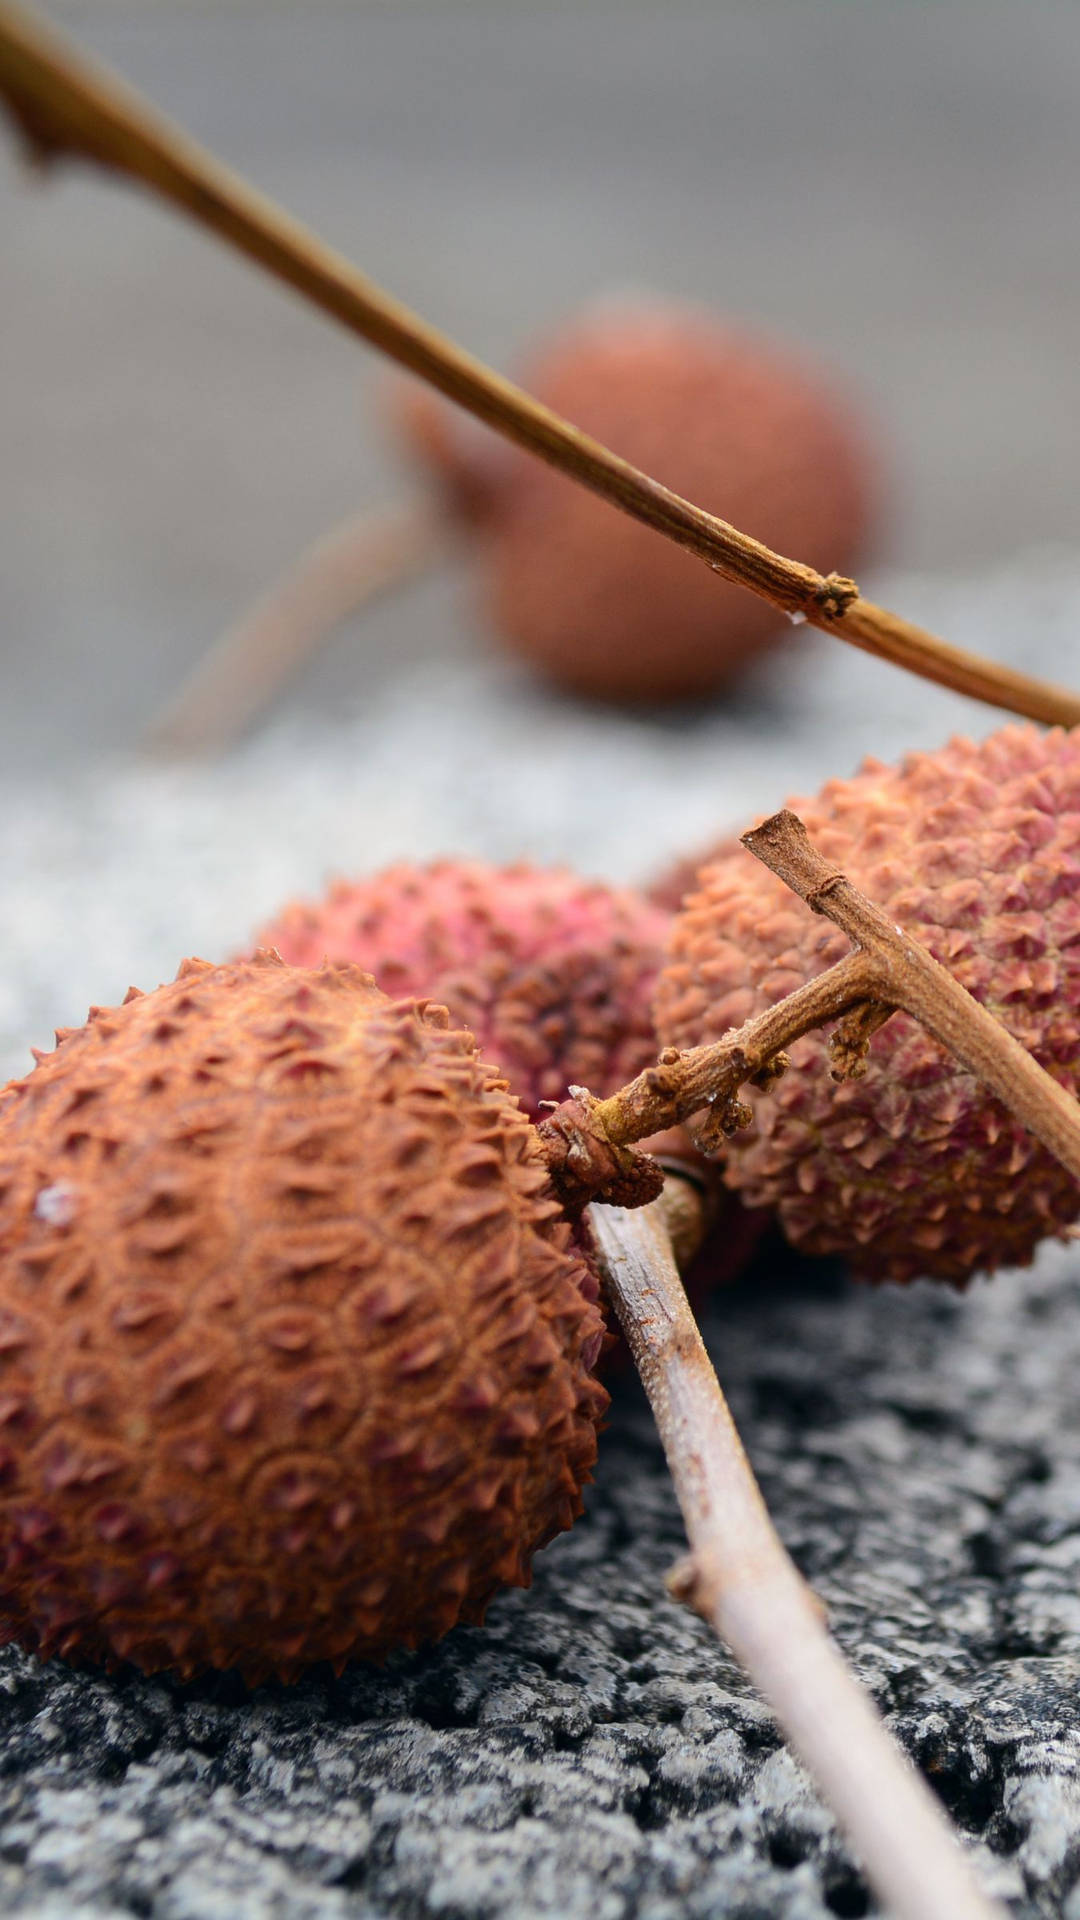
(364, 556)
(589, 1141)
(912, 979)
(66, 105)
(739, 1577)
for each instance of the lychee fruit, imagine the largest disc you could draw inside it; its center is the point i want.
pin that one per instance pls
(295, 1343)
(669, 887)
(739, 426)
(552, 973)
(914, 1169)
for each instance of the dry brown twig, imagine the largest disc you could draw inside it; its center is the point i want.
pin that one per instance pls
(589, 1141)
(738, 1575)
(67, 105)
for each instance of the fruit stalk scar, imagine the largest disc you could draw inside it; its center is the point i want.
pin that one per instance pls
(589, 1142)
(739, 1577)
(65, 104)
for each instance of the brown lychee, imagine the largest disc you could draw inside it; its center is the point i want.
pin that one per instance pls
(552, 973)
(296, 1346)
(720, 415)
(913, 1169)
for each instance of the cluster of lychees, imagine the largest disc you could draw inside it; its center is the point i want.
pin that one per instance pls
(298, 1342)
(299, 1313)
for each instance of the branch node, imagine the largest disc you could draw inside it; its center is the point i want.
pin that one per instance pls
(733, 1115)
(835, 595)
(663, 1080)
(584, 1164)
(773, 1070)
(718, 1121)
(850, 1044)
(683, 1582)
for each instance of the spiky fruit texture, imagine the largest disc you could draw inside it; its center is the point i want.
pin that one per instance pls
(296, 1347)
(913, 1169)
(553, 974)
(736, 425)
(672, 885)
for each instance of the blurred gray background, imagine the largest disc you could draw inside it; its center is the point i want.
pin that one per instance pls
(893, 185)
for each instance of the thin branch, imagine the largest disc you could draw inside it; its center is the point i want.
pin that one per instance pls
(589, 1141)
(740, 1579)
(925, 989)
(65, 104)
(364, 556)
(682, 1084)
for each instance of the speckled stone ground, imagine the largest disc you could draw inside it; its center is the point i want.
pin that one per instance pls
(591, 1752)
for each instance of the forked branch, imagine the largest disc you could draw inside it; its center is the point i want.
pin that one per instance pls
(66, 105)
(913, 980)
(588, 1141)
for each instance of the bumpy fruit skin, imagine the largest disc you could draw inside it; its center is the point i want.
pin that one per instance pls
(738, 426)
(553, 974)
(669, 888)
(913, 1169)
(295, 1346)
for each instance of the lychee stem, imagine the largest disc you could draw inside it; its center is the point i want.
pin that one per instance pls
(64, 104)
(588, 1141)
(911, 978)
(741, 1580)
(361, 558)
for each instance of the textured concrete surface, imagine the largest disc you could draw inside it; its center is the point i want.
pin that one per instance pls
(592, 1752)
(112, 871)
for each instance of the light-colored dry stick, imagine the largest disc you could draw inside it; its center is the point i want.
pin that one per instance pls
(67, 105)
(587, 1140)
(740, 1579)
(362, 557)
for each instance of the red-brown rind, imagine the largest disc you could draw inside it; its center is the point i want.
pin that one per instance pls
(553, 974)
(673, 884)
(913, 1169)
(295, 1348)
(725, 418)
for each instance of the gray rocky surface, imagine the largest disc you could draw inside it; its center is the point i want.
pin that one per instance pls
(591, 1752)
(111, 870)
